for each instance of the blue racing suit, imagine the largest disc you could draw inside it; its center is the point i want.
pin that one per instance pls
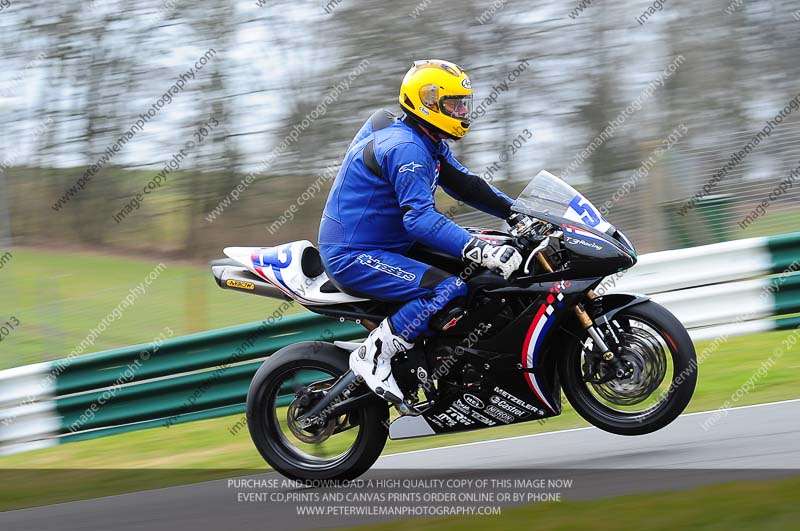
(382, 202)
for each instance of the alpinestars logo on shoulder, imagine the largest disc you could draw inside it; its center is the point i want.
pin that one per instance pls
(411, 166)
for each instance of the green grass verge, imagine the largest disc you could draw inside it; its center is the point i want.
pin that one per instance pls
(202, 448)
(772, 223)
(756, 505)
(58, 297)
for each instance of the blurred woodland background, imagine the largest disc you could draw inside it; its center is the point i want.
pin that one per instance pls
(74, 76)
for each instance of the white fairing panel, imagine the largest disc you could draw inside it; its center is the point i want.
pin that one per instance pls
(281, 267)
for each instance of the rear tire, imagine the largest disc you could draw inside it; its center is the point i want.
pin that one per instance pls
(264, 425)
(672, 401)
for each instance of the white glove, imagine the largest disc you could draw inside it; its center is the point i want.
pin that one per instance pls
(503, 258)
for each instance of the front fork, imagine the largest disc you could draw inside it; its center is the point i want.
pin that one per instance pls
(609, 357)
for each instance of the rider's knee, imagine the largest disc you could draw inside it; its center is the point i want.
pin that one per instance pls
(449, 289)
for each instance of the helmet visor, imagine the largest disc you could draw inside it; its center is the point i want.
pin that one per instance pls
(459, 107)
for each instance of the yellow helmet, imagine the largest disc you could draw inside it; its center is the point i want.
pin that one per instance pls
(438, 93)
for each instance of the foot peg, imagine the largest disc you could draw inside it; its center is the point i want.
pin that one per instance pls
(403, 407)
(406, 409)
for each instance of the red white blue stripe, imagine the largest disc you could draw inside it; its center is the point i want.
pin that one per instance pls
(578, 232)
(533, 340)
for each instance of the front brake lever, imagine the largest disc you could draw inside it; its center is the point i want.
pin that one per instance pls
(541, 247)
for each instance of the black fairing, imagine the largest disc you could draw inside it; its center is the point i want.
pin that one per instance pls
(505, 387)
(590, 252)
(592, 257)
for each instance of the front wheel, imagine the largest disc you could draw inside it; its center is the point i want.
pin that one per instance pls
(661, 372)
(287, 385)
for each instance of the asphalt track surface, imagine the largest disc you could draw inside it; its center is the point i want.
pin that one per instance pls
(752, 442)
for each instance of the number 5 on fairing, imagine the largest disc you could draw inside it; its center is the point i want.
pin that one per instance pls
(586, 211)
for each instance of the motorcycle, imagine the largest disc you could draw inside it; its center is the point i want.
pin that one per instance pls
(502, 357)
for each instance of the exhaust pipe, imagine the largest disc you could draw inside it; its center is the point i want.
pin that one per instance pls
(239, 278)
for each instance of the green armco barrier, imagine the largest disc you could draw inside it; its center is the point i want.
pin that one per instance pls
(783, 250)
(188, 378)
(787, 294)
(197, 351)
(159, 399)
(224, 411)
(163, 399)
(787, 323)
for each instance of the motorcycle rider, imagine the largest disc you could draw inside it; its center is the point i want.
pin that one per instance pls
(382, 202)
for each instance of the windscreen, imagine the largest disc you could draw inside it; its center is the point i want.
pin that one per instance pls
(548, 194)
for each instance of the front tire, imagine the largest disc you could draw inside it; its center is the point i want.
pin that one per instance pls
(264, 417)
(649, 336)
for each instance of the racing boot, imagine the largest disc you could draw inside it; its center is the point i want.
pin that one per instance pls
(372, 361)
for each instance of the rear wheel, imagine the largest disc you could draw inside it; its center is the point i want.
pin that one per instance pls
(660, 372)
(285, 387)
